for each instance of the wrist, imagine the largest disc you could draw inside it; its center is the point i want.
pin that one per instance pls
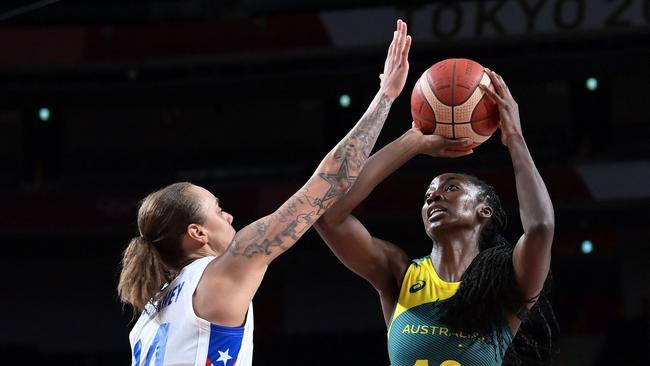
(514, 139)
(391, 96)
(415, 140)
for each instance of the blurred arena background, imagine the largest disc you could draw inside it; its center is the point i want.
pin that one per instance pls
(103, 101)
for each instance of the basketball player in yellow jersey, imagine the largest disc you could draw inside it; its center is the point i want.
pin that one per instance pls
(462, 303)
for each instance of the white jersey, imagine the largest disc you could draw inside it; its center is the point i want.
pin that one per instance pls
(171, 334)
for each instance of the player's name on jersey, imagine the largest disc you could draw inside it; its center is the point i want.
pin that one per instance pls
(423, 329)
(171, 296)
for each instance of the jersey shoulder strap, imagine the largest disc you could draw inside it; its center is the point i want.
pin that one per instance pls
(421, 284)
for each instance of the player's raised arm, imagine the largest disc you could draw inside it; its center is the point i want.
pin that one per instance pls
(239, 271)
(378, 261)
(532, 254)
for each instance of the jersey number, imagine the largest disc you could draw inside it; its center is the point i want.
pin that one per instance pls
(157, 348)
(444, 363)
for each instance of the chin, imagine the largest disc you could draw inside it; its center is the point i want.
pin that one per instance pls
(436, 227)
(432, 230)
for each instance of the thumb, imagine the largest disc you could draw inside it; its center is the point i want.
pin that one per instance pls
(456, 154)
(464, 141)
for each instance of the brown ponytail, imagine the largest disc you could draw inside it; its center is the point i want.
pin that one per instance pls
(143, 273)
(154, 257)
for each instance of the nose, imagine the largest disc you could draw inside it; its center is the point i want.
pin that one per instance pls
(434, 197)
(228, 217)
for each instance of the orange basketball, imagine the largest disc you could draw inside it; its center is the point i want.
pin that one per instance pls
(447, 101)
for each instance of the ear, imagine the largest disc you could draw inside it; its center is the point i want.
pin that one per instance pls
(197, 233)
(484, 211)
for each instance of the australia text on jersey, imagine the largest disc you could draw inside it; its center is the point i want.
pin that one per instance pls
(435, 330)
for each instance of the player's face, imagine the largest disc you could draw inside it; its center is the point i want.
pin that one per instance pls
(450, 201)
(217, 222)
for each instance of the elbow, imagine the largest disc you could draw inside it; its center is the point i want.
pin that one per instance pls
(542, 229)
(345, 184)
(340, 180)
(328, 220)
(323, 222)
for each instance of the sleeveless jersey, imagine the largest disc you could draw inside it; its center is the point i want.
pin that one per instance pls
(169, 333)
(416, 334)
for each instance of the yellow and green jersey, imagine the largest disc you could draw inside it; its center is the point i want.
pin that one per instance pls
(416, 334)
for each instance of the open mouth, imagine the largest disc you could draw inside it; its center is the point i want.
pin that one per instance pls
(435, 212)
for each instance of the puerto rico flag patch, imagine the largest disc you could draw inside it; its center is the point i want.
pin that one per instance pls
(225, 343)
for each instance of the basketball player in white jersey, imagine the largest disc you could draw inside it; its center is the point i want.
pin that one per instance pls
(193, 277)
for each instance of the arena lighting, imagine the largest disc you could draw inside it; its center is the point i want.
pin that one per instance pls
(344, 100)
(591, 83)
(44, 114)
(587, 246)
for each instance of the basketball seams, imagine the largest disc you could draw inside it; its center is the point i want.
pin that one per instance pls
(453, 101)
(473, 87)
(422, 105)
(468, 130)
(434, 103)
(423, 115)
(466, 110)
(475, 117)
(477, 123)
(468, 122)
(432, 87)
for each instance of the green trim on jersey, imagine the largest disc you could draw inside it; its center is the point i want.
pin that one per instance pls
(416, 335)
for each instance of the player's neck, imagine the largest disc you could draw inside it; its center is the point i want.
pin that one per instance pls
(452, 254)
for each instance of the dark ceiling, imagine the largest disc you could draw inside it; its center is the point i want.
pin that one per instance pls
(101, 12)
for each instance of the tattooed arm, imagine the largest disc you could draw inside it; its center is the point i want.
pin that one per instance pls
(230, 281)
(380, 262)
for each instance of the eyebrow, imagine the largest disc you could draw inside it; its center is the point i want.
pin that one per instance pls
(447, 181)
(216, 200)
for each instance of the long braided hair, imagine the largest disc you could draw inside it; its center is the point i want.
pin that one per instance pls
(489, 293)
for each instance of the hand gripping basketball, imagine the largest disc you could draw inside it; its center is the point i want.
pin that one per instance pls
(510, 124)
(396, 67)
(438, 146)
(447, 101)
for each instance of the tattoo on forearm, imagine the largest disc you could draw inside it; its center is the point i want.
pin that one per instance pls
(256, 239)
(339, 182)
(290, 208)
(254, 236)
(300, 212)
(355, 148)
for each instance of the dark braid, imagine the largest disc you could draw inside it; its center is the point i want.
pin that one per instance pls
(489, 293)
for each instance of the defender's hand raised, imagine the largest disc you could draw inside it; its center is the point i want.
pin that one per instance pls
(396, 66)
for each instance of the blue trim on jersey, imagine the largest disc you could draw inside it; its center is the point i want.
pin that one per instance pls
(225, 344)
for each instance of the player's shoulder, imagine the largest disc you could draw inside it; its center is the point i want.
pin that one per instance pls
(197, 266)
(423, 261)
(419, 268)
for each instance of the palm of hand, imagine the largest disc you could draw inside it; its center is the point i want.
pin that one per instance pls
(396, 66)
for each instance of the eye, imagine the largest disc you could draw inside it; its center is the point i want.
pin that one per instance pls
(451, 187)
(427, 196)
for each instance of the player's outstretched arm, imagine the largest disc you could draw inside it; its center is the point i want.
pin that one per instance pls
(378, 261)
(236, 275)
(532, 255)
